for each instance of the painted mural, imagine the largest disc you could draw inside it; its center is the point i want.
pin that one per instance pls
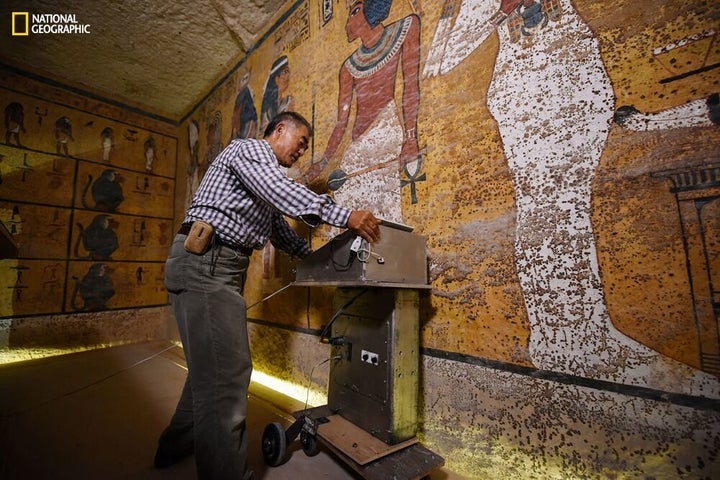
(89, 202)
(275, 97)
(245, 117)
(488, 125)
(560, 157)
(553, 160)
(390, 132)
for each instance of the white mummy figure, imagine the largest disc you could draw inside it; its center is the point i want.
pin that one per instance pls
(553, 102)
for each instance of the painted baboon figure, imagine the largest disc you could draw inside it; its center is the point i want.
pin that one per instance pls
(98, 239)
(95, 289)
(106, 192)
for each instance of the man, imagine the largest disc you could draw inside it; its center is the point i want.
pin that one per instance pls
(244, 195)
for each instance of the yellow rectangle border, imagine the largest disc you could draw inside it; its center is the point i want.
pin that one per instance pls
(15, 17)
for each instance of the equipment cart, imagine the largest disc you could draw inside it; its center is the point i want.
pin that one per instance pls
(370, 421)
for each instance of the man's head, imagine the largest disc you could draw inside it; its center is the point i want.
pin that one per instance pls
(375, 11)
(289, 135)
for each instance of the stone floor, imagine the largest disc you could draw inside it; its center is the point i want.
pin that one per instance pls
(97, 415)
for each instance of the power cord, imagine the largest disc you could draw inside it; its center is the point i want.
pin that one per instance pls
(312, 370)
(338, 266)
(84, 387)
(323, 335)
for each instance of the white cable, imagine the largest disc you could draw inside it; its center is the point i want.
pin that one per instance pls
(271, 295)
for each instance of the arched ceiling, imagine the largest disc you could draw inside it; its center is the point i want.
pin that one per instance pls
(161, 56)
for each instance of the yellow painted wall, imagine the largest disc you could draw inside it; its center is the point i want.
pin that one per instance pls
(82, 247)
(466, 207)
(496, 380)
(503, 392)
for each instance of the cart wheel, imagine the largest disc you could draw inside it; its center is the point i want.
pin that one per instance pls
(274, 444)
(309, 444)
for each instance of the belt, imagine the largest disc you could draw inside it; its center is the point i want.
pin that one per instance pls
(247, 251)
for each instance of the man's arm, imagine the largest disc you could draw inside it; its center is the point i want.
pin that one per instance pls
(286, 239)
(295, 200)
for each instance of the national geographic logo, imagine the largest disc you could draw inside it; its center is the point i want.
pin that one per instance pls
(25, 23)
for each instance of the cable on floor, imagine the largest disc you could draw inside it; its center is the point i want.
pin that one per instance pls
(84, 387)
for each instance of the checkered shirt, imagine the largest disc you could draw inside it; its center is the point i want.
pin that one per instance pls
(245, 195)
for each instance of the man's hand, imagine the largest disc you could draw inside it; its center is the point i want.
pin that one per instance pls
(364, 224)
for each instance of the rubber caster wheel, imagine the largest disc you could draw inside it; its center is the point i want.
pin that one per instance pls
(274, 444)
(309, 444)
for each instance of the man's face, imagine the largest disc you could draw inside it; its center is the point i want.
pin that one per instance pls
(289, 142)
(283, 79)
(355, 21)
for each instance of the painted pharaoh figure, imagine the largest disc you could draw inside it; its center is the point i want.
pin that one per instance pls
(213, 141)
(192, 168)
(276, 99)
(384, 137)
(14, 123)
(275, 96)
(244, 119)
(63, 135)
(556, 260)
(107, 143)
(150, 157)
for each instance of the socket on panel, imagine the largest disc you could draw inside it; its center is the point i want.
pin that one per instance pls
(370, 357)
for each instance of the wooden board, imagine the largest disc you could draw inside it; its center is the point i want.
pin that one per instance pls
(405, 461)
(412, 463)
(355, 442)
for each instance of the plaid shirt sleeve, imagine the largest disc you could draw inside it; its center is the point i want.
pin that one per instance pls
(285, 238)
(261, 174)
(245, 195)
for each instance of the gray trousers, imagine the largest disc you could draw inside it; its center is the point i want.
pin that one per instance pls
(206, 295)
